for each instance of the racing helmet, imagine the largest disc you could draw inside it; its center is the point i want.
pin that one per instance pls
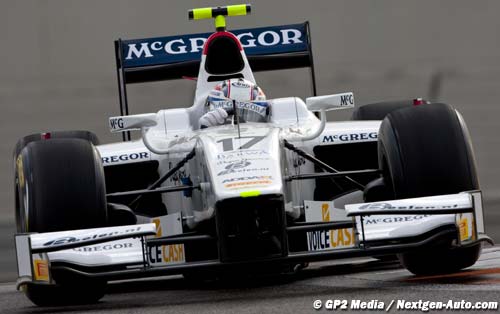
(250, 100)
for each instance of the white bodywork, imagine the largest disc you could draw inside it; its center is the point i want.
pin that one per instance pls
(220, 147)
(240, 161)
(232, 162)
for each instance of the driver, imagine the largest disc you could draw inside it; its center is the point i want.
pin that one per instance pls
(250, 101)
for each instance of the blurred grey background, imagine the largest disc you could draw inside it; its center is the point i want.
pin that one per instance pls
(57, 68)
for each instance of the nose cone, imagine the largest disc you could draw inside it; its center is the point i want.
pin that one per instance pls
(243, 166)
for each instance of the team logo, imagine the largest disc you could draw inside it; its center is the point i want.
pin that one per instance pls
(240, 84)
(233, 167)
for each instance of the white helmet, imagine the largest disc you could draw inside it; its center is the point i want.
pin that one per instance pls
(250, 100)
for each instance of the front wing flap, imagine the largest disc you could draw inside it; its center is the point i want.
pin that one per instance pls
(463, 211)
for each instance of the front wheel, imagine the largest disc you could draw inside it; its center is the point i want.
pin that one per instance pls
(440, 259)
(60, 186)
(426, 151)
(79, 291)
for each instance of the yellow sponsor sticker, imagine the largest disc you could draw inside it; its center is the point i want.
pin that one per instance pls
(20, 172)
(247, 183)
(165, 254)
(156, 221)
(464, 229)
(325, 212)
(341, 238)
(41, 269)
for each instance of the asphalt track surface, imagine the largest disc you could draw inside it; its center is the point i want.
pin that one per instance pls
(363, 279)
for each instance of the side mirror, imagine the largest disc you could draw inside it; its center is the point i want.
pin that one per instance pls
(330, 102)
(132, 122)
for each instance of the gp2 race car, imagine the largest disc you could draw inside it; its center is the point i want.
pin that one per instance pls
(398, 179)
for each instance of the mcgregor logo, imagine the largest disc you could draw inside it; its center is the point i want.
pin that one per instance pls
(350, 137)
(185, 44)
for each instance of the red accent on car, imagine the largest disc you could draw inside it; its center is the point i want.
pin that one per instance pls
(418, 101)
(46, 136)
(221, 34)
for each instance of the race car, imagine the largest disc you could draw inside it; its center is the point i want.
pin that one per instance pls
(398, 179)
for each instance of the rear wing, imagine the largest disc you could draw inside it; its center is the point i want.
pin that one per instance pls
(174, 57)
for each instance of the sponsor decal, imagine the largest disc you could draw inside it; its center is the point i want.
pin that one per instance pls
(325, 212)
(249, 178)
(327, 239)
(125, 157)
(116, 123)
(350, 137)
(330, 239)
(298, 161)
(240, 84)
(181, 177)
(392, 219)
(67, 240)
(234, 166)
(160, 50)
(41, 269)
(20, 170)
(376, 206)
(247, 153)
(465, 224)
(241, 182)
(259, 107)
(106, 247)
(237, 185)
(346, 100)
(180, 140)
(165, 254)
(175, 46)
(225, 162)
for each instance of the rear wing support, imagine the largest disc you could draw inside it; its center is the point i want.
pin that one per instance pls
(311, 60)
(122, 86)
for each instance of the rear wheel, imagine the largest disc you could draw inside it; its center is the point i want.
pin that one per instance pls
(378, 111)
(60, 186)
(425, 151)
(84, 135)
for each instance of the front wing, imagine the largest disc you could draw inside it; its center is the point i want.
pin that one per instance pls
(457, 218)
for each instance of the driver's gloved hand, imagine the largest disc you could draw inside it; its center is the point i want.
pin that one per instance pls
(213, 118)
